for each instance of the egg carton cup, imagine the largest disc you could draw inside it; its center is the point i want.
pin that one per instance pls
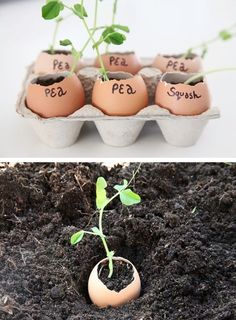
(61, 132)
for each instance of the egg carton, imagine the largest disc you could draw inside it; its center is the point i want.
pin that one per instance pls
(61, 132)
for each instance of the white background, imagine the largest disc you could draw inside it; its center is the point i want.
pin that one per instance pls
(166, 26)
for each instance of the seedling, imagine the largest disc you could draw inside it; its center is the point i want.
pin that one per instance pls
(115, 4)
(223, 35)
(201, 75)
(127, 198)
(110, 34)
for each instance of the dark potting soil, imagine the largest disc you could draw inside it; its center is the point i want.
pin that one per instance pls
(123, 275)
(190, 56)
(193, 83)
(64, 52)
(45, 81)
(181, 238)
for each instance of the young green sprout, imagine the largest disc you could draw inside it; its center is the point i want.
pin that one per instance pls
(223, 35)
(52, 46)
(127, 198)
(201, 75)
(110, 34)
(114, 11)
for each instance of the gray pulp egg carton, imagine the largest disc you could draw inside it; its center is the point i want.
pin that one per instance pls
(61, 132)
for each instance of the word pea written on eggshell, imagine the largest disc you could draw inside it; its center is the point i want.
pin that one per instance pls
(123, 95)
(55, 95)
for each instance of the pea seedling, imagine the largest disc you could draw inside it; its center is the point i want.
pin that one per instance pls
(201, 75)
(114, 11)
(110, 34)
(127, 198)
(223, 35)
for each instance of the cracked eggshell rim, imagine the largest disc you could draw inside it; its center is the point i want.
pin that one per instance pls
(182, 106)
(63, 106)
(45, 63)
(132, 65)
(102, 297)
(116, 104)
(190, 65)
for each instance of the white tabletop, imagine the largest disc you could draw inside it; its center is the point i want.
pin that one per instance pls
(158, 26)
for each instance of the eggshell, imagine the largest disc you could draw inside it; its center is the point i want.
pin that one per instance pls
(123, 95)
(182, 99)
(48, 63)
(60, 99)
(126, 62)
(102, 297)
(176, 63)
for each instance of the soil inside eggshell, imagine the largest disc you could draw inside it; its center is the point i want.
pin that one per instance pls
(177, 78)
(190, 56)
(64, 52)
(48, 81)
(122, 276)
(118, 76)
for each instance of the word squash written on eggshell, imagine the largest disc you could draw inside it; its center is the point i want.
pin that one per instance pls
(55, 95)
(122, 95)
(180, 98)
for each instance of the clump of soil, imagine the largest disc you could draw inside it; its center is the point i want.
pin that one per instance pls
(48, 81)
(181, 238)
(123, 275)
(64, 52)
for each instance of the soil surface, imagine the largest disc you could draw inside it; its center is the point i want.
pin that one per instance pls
(45, 81)
(123, 275)
(181, 238)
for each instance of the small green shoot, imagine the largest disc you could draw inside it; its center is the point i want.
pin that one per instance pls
(201, 75)
(127, 198)
(223, 35)
(113, 34)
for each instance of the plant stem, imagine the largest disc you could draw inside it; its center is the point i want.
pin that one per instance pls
(207, 43)
(91, 38)
(52, 47)
(203, 74)
(102, 236)
(91, 34)
(81, 52)
(113, 20)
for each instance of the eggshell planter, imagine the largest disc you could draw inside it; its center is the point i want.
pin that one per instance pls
(182, 99)
(117, 131)
(55, 95)
(103, 297)
(177, 63)
(118, 61)
(61, 60)
(123, 95)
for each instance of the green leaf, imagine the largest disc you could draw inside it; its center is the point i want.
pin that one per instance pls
(51, 10)
(97, 232)
(129, 198)
(77, 237)
(225, 35)
(65, 42)
(80, 11)
(117, 38)
(120, 27)
(101, 195)
(120, 187)
(106, 33)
